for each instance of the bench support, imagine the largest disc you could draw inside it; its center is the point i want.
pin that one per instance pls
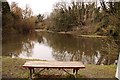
(66, 71)
(33, 71)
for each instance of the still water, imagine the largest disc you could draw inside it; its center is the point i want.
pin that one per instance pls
(61, 47)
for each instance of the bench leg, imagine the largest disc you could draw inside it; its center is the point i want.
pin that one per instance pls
(30, 77)
(33, 70)
(76, 72)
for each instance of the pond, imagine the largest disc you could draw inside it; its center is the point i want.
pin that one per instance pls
(60, 47)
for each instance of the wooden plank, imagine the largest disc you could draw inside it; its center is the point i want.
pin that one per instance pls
(53, 64)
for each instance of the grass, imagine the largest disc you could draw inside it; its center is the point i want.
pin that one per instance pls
(12, 68)
(99, 71)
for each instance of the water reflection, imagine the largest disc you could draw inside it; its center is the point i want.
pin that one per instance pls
(61, 47)
(14, 45)
(39, 52)
(87, 50)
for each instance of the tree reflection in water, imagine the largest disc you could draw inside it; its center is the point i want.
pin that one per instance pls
(64, 47)
(14, 45)
(88, 50)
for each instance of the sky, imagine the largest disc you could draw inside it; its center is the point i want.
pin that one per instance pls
(37, 6)
(41, 6)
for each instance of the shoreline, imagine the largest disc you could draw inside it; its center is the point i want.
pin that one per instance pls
(74, 33)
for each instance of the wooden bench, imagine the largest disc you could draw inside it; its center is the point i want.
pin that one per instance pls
(53, 64)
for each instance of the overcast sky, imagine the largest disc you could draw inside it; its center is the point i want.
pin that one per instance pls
(37, 6)
(43, 6)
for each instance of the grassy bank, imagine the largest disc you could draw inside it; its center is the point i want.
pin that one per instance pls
(12, 68)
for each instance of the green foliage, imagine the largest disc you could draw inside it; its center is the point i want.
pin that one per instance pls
(7, 23)
(39, 18)
(109, 19)
(17, 20)
(7, 19)
(86, 18)
(5, 7)
(66, 17)
(83, 17)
